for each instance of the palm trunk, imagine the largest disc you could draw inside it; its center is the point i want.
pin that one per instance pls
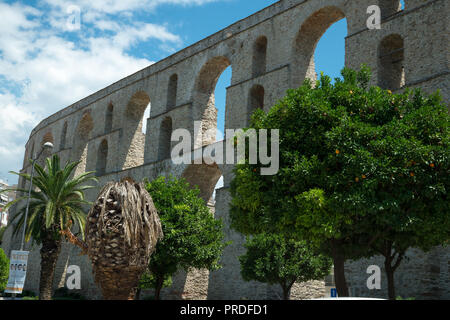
(49, 256)
(339, 271)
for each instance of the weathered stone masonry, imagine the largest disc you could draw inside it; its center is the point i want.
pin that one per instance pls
(269, 52)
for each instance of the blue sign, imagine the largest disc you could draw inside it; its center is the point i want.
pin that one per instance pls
(334, 293)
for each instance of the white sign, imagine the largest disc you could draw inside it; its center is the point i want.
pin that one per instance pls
(17, 271)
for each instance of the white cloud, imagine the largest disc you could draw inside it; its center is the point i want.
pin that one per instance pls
(43, 68)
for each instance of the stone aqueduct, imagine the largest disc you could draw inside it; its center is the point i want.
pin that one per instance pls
(269, 52)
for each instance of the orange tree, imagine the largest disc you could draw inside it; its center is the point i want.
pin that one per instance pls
(362, 172)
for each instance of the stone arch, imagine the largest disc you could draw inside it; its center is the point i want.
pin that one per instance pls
(85, 126)
(205, 177)
(132, 131)
(165, 135)
(109, 118)
(204, 100)
(259, 56)
(172, 90)
(48, 137)
(102, 158)
(81, 139)
(306, 42)
(62, 143)
(255, 100)
(391, 72)
(389, 7)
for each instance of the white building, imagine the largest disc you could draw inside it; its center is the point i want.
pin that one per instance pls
(4, 199)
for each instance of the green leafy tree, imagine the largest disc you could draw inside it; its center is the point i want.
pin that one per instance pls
(4, 270)
(56, 204)
(362, 171)
(274, 259)
(192, 237)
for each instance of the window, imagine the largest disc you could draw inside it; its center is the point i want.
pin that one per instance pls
(259, 56)
(391, 73)
(172, 91)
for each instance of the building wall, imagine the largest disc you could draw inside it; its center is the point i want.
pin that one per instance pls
(292, 29)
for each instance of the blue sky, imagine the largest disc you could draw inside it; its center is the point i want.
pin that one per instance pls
(45, 67)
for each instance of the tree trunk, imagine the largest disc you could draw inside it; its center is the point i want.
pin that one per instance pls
(390, 279)
(138, 294)
(159, 285)
(339, 271)
(390, 265)
(286, 291)
(49, 256)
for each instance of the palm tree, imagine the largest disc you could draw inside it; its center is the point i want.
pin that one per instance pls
(122, 230)
(55, 204)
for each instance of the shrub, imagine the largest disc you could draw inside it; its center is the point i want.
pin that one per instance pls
(4, 270)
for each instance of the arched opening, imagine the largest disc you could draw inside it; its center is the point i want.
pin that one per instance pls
(220, 95)
(390, 7)
(81, 139)
(311, 31)
(145, 118)
(205, 177)
(391, 72)
(165, 135)
(205, 109)
(256, 100)
(172, 92)
(48, 137)
(133, 135)
(329, 56)
(259, 56)
(109, 118)
(102, 157)
(62, 144)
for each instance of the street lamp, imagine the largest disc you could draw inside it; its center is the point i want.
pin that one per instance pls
(46, 146)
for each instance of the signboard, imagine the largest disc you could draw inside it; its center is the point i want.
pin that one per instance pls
(17, 271)
(333, 293)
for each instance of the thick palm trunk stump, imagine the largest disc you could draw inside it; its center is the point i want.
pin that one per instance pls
(122, 230)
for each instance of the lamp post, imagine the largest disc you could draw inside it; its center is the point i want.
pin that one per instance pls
(48, 146)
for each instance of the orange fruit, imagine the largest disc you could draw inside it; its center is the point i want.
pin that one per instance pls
(412, 174)
(357, 179)
(432, 165)
(364, 176)
(338, 152)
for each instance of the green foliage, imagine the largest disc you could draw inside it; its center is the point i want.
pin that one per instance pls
(4, 270)
(148, 281)
(273, 259)
(359, 166)
(409, 299)
(56, 201)
(192, 237)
